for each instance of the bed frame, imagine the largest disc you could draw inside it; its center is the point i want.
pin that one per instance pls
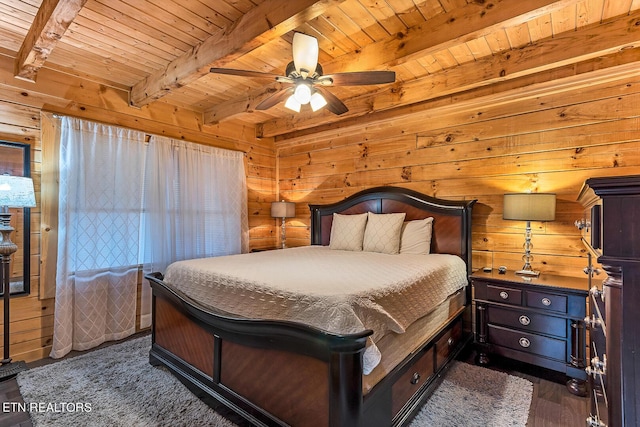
(276, 373)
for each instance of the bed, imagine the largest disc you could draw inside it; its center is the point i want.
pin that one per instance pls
(284, 370)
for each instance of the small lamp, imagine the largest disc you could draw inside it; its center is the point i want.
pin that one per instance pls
(283, 210)
(15, 192)
(529, 207)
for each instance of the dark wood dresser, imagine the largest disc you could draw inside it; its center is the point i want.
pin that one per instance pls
(537, 320)
(611, 233)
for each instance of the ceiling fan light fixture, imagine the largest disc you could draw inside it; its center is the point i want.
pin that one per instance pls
(317, 101)
(293, 104)
(302, 93)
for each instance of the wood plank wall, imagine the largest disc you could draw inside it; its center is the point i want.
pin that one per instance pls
(31, 325)
(454, 150)
(21, 105)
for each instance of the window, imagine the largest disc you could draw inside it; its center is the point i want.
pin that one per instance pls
(15, 160)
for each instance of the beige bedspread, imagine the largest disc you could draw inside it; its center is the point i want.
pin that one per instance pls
(337, 291)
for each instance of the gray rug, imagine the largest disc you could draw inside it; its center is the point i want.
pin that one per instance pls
(116, 386)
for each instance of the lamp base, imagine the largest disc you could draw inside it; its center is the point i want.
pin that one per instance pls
(11, 369)
(528, 273)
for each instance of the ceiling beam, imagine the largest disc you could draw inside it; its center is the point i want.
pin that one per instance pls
(474, 20)
(564, 49)
(266, 22)
(48, 27)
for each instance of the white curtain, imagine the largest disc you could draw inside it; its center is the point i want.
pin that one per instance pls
(99, 220)
(123, 203)
(195, 205)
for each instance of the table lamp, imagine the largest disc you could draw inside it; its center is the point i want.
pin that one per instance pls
(529, 207)
(283, 210)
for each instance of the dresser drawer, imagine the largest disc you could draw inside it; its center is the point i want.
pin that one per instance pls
(547, 301)
(529, 343)
(528, 321)
(504, 294)
(412, 380)
(447, 343)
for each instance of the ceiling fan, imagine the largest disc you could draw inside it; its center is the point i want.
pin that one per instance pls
(305, 74)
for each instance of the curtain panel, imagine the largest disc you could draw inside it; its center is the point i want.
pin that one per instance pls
(195, 206)
(100, 201)
(125, 203)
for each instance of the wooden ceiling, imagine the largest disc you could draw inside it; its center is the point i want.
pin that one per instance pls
(162, 51)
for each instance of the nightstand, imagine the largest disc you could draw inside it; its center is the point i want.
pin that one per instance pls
(534, 320)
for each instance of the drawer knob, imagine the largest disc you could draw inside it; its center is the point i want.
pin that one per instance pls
(450, 341)
(415, 378)
(524, 342)
(504, 295)
(546, 301)
(524, 320)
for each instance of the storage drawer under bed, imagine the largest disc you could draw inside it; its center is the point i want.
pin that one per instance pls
(423, 366)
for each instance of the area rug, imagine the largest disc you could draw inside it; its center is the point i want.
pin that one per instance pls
(116, 386)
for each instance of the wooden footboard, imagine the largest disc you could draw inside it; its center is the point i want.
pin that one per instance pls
(288, 374)
(271, 373)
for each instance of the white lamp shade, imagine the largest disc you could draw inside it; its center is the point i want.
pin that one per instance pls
(293, 104)
(283, 209)
(317, 101)
(305, 54)
(302, 93)
(17, 192)
(529, 206)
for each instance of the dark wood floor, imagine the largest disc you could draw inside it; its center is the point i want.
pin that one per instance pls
(551, 406)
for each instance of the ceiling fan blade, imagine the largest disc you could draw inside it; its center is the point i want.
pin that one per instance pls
(358, 78)
(243, 73)
(333, 103)
(272, 100)
(305, 54)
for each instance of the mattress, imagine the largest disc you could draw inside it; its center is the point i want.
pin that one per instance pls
(337, 291)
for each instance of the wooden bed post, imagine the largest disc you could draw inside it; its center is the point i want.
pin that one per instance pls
(346, 389)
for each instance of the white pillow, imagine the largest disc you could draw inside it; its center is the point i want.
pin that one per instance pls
(416, 237)
(382, 233)
(347, 232)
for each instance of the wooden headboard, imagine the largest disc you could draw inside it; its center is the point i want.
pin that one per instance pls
(451, 218)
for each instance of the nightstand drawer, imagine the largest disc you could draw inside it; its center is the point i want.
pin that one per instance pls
(504, 295)
(530, 343)
(547, 301)
(528, 321)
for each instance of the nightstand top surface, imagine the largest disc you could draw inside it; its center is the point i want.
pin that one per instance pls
(544, 280)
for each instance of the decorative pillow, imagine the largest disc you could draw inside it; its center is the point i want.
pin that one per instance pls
(382, 233)
(416, 237)
(347, 232)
